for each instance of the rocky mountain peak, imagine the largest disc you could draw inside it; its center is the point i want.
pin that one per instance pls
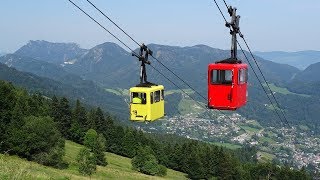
(50, 52)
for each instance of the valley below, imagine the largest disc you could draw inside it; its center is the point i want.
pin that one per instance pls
(297, 146)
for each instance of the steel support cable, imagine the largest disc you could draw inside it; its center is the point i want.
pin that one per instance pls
(113, 22)
(258, 68)
(225, 19)
(102, 26)
(281, 110)
(156, 73)
(179, 77)
(252, 66)
(260, 83)
(225, 3)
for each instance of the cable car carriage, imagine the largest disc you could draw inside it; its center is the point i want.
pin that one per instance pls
(227, 85)
(146, 99)
(227, 79)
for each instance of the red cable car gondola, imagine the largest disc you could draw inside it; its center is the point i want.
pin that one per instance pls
(227, 85)
(227, 79)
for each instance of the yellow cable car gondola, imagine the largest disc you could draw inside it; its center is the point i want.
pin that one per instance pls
(146, 99)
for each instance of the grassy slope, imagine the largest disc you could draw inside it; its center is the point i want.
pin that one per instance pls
(284, 91)
(249, 129)
(227, 145)
(12, 167)
(265, 157)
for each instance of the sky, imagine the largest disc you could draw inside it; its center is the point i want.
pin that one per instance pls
(268, 25)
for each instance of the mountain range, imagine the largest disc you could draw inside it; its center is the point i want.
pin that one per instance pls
(107, 62)
(68, 70)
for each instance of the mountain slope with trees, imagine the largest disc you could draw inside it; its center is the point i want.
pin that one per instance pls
(24, 115)
(87, 91)
(310, 74)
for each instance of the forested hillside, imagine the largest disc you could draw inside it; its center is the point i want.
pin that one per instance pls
(310, 74)
(35, 127)
(72, 87)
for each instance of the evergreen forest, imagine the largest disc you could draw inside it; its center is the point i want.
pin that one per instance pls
(35, 127)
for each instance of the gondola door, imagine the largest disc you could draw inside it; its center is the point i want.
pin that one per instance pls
(220, 91)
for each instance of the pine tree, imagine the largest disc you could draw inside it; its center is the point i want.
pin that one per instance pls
(115, 140)
(91, 119)
(210, 161)
(19, 112)
(87, 162)
(175, 157)
(160, 153)
(226, 167)
(129, 143)
(195, 166)
(79, 123)
(54, 109)
(7, 102)
(39, 105)
(100, 121)
(110, 133)
(99, 151)
(65, 118)
(80, 115)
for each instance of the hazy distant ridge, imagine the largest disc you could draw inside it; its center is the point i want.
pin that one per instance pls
(299, 59)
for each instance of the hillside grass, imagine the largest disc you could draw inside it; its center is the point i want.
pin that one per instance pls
(267, 139)
(249, 129)
(265, 157)
(254, 123)
(304, 128)
(228, 145)
(187, 106)
(188, 91)
(13, 167)
(284, 91)
(118, 91)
